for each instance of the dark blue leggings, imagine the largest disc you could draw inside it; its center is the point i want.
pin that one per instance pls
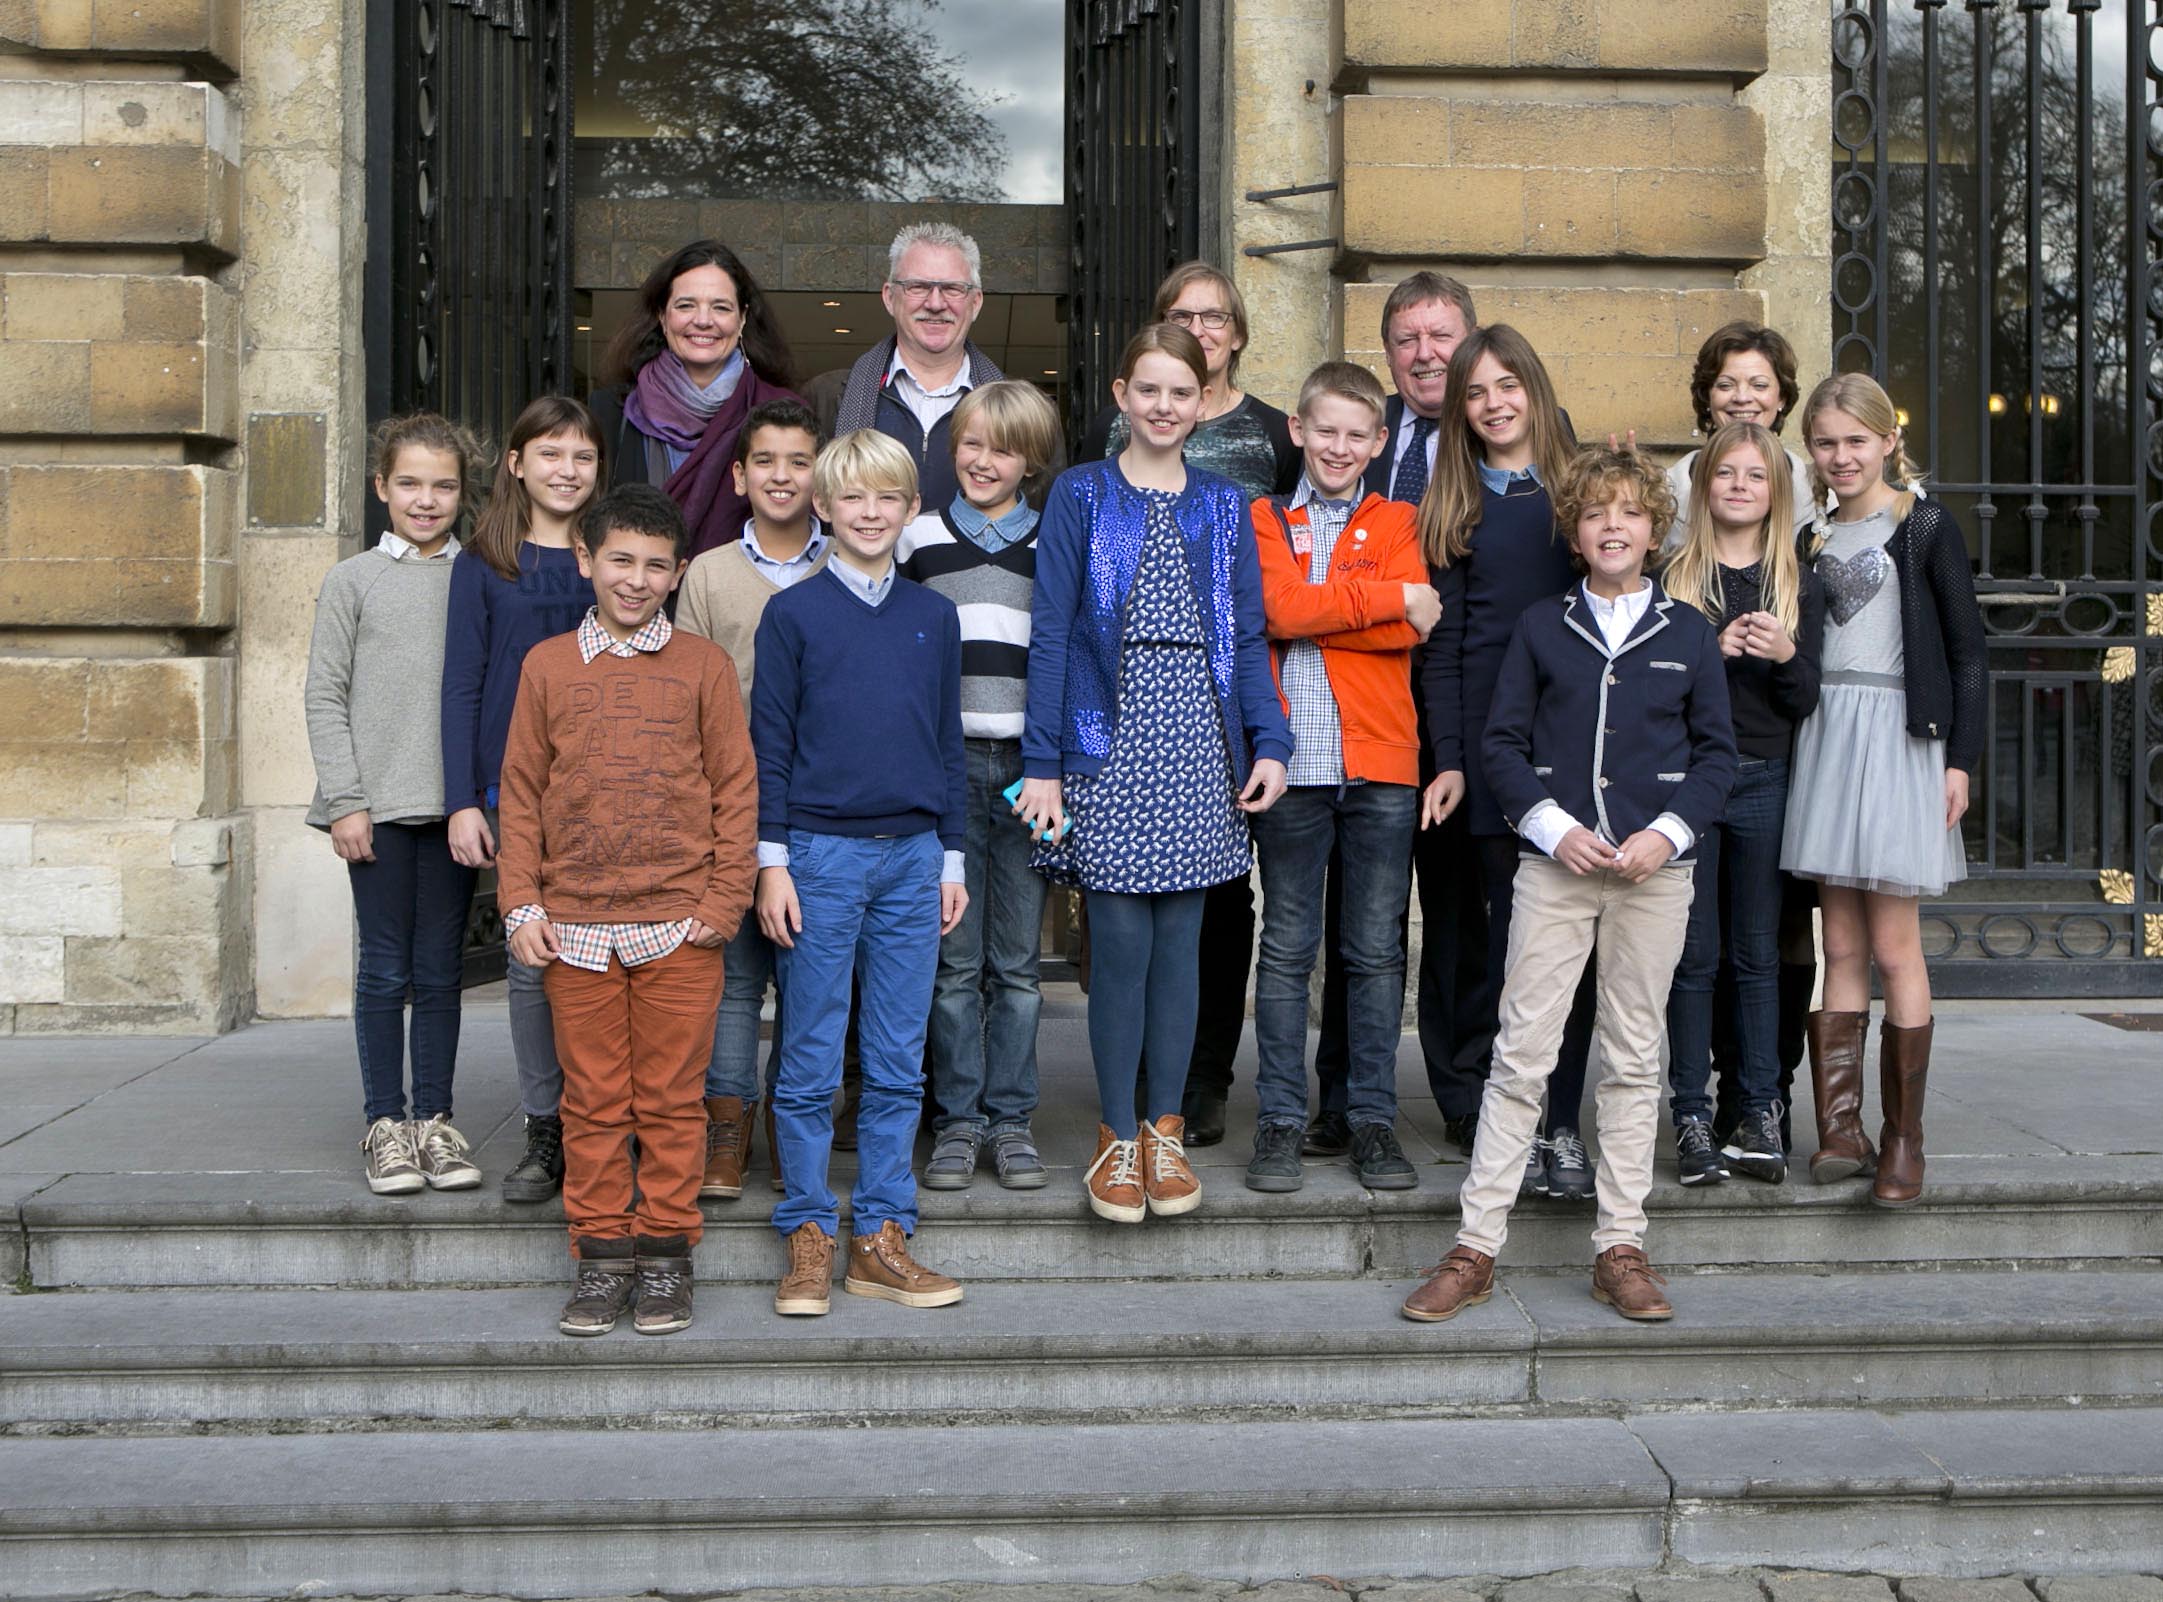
(1144, 958)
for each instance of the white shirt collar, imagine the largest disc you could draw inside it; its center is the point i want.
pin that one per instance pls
(1619, 616)
(871, 589)
(898, 369)
(397, 547)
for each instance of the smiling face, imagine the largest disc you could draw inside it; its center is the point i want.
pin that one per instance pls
(866, 521)
(1338, 437)
(1613, 540)
(990, 476)
(632, 574)
(1420, 341)
(422, 491)
(702, 320)
(931, 301)
(1199, 303)
(1498, 412)
(559, 471)
(1740, 490)
(1850, 458)
(1162, 398)
(775, 475)
(1747, 390)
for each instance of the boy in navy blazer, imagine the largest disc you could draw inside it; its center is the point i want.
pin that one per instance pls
(1610, 750)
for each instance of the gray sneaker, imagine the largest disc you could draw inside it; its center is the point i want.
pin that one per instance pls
(1535, 1181)
(953, 1158)
(443, 1155)
(1013, 1154)
(394, 1167)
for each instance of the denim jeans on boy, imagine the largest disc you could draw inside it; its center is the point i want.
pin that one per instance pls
(410, 904)
(747, 964)
(1738, 890)
(871, 911)
(985, 1002)
(1369, 827)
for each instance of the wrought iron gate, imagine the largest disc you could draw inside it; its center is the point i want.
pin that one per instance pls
(1134, 96)
(1995, 257)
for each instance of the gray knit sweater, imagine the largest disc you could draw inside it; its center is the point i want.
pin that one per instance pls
(375, 688)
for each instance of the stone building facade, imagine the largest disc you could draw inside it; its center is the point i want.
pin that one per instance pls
(183, 380)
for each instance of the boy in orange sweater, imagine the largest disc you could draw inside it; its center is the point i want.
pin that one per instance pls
(629, 826)
(1345, 593)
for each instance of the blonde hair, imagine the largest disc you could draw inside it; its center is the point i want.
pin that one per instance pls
(1864, 399)
(1346, 381)
(862, 459)
(1014, 416)
(1450, 511)
(1599, 474)
(1693, 572)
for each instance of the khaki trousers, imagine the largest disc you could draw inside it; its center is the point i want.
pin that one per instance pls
(1557, 919)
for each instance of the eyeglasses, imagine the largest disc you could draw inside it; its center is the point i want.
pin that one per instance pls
(919, 290)
(1211, 320)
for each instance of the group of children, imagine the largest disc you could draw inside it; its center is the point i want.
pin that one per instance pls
(848, 759)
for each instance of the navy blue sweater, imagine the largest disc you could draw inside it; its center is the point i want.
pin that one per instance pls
(856, 713)
(1616, 741)
(492, 624)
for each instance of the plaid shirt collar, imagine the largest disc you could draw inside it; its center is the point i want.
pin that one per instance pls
(594, 639)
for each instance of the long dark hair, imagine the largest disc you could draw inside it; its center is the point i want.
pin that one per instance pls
(508, 518)
(1450, 510)
(639, 340)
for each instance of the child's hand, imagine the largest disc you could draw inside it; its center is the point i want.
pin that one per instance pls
(1043, 802)
(1735, 638)
(704, 938)
(1422, 608)
(1265, 782)
(781, 915)
(472, 846)
(535, 944)
(1441, 797)
(1956, 796)
(1764, 637)
(353, 837)
(1582, 851)
(1643, 854)
(1628, 442)
(953, 902)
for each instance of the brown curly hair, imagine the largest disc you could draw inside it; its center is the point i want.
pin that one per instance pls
(1596, 475)
(1734, 339)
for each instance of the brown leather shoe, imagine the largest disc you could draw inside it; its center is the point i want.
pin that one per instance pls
(1167, 1182)
(1903, 1066)
(880, 1265)
(728, 1146)
(1836, 1084)
(1114, 1180)
(1463, 1279)
(807, 1288)
(1625, 1280)
(773, 1146)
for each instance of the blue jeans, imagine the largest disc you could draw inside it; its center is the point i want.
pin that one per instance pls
(985, 1002)
(1738, 887)
(747, 966)
(871, 911)
(1369, 829)
(1143, 985)
(411, 905)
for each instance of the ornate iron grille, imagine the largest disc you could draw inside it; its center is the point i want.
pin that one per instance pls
(1134, 95)
(1994, 260)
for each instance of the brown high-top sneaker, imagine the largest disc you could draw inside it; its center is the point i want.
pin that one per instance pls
(773, 1147)
(880, 1265)
(1463, 1279)
(728, 1146)
(1624, 1278)
(1836, 1083)
(806, 1289)
(1903, 1066)
(1167, 1181)
(1114, 1180)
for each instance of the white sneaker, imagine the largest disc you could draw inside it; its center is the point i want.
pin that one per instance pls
(443, 1156)
(394, 1167)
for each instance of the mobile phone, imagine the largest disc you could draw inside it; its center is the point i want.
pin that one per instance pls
(1013, 799)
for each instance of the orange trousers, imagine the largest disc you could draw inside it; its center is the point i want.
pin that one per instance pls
(634, 1043)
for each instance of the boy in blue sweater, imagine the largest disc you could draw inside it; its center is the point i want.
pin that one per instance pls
(856, 718)
(1609, 750)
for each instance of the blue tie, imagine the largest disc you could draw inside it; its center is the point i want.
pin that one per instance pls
(1411, 480)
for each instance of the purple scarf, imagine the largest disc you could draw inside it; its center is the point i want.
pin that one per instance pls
(667, 404)
(704, 486)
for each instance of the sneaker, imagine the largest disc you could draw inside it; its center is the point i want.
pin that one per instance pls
(538, 1175)
(1757, 1149)
(728, 1147)
(1275, 1164)
(606, 1285)
(1378, 1162)
(1463, 1279)
(394, 1167)
(1627, 1282)
(806, 1290)
(1168, 1183)
(1114, 1180)
(1697, 1160)
(1535, 1181)
(1203, 1111)
(1328, 1135)
(443, 1156)
(880, 1265)
(1569, 1171)
(953, 1158)
(664, 1285)
(1462, 1131)
(1014, 1157)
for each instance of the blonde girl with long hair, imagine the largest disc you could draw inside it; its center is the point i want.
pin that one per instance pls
(1737, 564)
(1881, 770)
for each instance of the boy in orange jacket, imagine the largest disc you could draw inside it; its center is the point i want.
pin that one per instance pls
(1345, 594)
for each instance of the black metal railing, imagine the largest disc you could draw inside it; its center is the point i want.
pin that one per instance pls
(1993, 237)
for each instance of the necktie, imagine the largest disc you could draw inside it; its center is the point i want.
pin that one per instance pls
(1410, 482)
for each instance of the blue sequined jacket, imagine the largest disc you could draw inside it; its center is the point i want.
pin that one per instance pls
(1089, 544)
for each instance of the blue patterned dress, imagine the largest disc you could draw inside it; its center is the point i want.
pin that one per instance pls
(1158, 817)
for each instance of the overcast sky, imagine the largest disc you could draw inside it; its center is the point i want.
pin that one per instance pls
(1015, 51)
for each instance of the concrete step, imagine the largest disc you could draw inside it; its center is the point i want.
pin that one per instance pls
(535, 1514)
(321, 1228)
(1064, 1350)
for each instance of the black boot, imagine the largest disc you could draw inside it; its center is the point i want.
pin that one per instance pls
(663, 1264)
(539, 1174)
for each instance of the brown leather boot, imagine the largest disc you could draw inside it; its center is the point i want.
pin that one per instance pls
(806, 1290)
(773, 1146)
(1463, 1279)
(1903, 1065)
(728, 1146)
(1836, 1083)
(1624, 1278)
(880, 1265)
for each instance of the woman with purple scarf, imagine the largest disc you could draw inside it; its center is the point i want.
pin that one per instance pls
(700, 352)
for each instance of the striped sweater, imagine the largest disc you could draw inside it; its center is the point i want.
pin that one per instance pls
(993, 594)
